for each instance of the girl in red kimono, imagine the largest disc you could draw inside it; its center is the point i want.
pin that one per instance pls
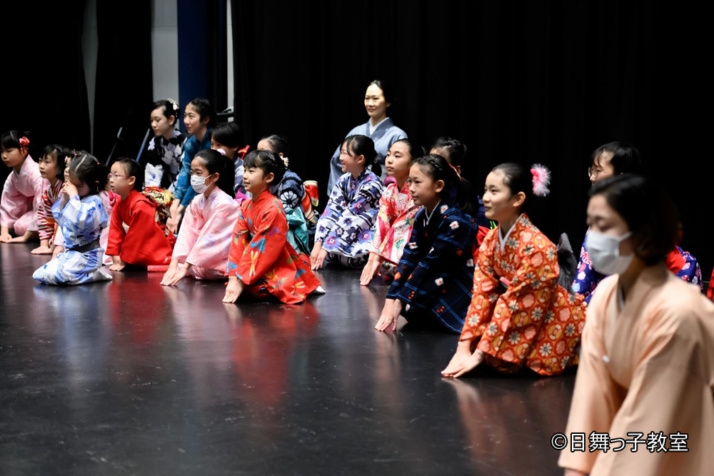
(134, 236)
(519, 315)
(262, 262)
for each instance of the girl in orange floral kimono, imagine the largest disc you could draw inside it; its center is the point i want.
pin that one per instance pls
(262, 262)
(519, 315)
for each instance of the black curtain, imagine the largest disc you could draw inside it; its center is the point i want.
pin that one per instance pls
(124, 79)
(43, 84)
(530, 82)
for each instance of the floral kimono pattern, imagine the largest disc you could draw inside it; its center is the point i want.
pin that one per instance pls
(164, 160)
(518, 311)
(433, 278)
(290, 191)
(82, 222)
(394, 222)
(345, 227)
(261, 257)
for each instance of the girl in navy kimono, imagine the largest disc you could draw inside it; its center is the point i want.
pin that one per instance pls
(380, 128)
(432, 282)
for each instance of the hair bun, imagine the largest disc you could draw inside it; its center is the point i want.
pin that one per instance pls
(541, 180)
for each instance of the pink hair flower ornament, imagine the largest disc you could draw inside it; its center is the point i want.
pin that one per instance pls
(541, 180)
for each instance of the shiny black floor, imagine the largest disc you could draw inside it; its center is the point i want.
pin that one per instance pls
(130, 377)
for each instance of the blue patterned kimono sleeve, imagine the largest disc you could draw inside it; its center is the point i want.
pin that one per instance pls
(336, 205)
(81, 220)
(456, 236)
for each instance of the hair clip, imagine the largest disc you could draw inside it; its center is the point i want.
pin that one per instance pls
(174, 104)
(24, 142)
(541, 180)
(285, 161)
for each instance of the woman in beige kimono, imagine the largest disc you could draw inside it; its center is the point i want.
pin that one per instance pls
(643, 401)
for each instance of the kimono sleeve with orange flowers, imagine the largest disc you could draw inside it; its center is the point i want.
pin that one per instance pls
(518, 310)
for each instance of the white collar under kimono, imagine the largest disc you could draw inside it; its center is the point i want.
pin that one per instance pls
(503, 239)
(374, 128)
(427, 215)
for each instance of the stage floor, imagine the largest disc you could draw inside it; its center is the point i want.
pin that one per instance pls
(130, 377)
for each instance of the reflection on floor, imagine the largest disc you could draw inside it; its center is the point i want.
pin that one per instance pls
(130, 377)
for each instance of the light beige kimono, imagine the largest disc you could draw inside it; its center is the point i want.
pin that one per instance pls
(646, 367)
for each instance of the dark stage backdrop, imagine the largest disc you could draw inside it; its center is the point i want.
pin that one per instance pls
(516, 81)
(124, 84)
(43, 88)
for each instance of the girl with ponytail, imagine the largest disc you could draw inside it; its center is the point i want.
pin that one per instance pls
(345, 230)
(519, 316)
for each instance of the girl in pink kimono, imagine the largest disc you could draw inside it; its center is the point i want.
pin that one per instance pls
(396, 212)
(202, 246)
(22, 192)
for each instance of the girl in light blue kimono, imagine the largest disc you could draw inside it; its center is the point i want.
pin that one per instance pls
(379, 128)
(346, 228)
(81, 215)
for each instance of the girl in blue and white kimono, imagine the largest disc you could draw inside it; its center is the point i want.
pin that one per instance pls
(81, 215)
(345, 229)
(379, 128)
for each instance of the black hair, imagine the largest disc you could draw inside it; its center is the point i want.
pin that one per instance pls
(133, 169)
(168, 108)
(648, 210)
(625, 158)
(457, 149)
(454, 191)
(215, 162)
(386, 88)
(415, 150)
(227, 134)
(518, 178)
(11, 139)
(363, 145)
(87, 169)
(279, 144)
(205, 110)
(61, 153)
(268, 161)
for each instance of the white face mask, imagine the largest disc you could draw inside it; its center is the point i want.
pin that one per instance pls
(604, 251)
(198, 183)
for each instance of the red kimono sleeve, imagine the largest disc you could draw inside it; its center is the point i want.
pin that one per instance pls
(116, 231)
(255, 258)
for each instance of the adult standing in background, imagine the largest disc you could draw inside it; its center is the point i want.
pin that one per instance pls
(380, 128)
